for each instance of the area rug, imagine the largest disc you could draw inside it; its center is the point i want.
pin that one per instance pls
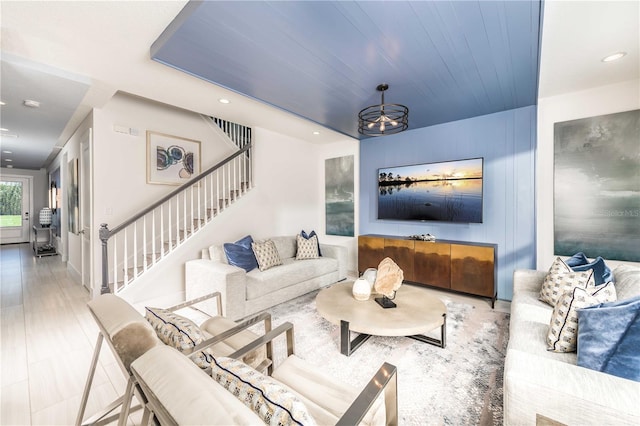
(458, 385)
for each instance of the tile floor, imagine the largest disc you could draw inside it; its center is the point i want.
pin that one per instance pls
(47, 340)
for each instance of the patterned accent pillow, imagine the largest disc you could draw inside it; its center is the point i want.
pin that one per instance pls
(307, 248)
(266, 254)
(563, 330)
(179, 332)
(561, 278)
(273, 402)
(312, 234)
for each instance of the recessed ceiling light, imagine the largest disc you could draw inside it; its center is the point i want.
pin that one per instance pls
(614, 57)
(10, 166)
(8, 159)
(4, 129)
(31, 103)
(224, 101)
(2, 103)
(316, 132)
(6, 152)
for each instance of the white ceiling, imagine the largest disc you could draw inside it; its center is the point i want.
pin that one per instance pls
(578, 34)
(106, 44)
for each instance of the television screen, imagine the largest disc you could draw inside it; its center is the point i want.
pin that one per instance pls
(448, 191)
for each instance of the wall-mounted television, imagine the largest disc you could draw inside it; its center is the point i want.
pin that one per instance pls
(449, 191)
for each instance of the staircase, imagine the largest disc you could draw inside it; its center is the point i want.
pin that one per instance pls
(141, 242)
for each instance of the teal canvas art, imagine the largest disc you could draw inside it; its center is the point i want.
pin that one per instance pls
(597, 186)
(339, 198)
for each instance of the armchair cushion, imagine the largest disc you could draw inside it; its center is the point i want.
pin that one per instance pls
(273, 402)
(326, 398)
(218, 325)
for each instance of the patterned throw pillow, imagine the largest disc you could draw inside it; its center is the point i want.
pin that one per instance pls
(563, 330)
(307, 248)
(179, 332)
(266, 254)
(312, 234)
(561, 278)
(273, 402)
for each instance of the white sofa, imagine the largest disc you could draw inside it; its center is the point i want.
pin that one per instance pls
(245, 293)
(540, 385)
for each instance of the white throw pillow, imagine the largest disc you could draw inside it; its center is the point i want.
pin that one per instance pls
(563, 329)
(562, 278)
(266, 254)
(307, 248)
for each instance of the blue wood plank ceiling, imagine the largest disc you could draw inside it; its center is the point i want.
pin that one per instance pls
(445, 60)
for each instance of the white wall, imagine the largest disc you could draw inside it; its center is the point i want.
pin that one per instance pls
(69, 244)
(288, 197)
(120, 159)
(288, 194)
(588, 103)
(349, 146)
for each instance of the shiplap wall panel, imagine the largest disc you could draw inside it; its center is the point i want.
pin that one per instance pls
(506, 141)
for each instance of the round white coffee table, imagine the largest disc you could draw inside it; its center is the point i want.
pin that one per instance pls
(417, 313)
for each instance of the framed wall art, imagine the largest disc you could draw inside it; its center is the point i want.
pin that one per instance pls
(597, 186)
(73, 197)
(339, 201)
(171, 160)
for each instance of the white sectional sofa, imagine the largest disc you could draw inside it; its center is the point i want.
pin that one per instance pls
(540, 385)
(245, 293)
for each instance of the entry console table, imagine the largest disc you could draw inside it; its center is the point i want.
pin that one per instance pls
(41, 248)
(453, 265)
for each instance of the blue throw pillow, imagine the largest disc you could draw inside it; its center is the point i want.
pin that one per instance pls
(306, 237)
(601, 272)
(609, 338)
(240, 254)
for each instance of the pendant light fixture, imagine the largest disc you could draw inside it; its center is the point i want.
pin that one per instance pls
(383, 119)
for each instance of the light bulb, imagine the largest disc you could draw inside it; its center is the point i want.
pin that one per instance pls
(370, 125)
(381, 126)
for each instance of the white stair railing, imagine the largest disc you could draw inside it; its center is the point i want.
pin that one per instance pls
(130, 249)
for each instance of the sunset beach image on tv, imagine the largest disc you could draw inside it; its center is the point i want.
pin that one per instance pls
(449, 191)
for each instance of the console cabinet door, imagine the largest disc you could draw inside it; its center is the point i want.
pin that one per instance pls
(433, 264)
(472, 269)
(370, 252)
(401, 252)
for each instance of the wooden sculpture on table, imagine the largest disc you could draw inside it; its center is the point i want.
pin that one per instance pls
(388, 281)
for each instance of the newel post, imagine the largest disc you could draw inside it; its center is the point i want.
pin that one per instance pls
(104, 238)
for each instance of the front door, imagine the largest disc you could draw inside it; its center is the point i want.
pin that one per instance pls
(15, 208)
